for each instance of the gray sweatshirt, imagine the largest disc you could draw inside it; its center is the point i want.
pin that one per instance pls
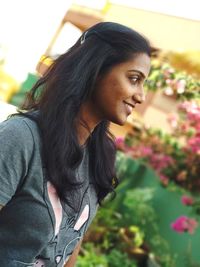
(36, 228)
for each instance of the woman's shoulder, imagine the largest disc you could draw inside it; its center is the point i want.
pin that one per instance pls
(19, 127)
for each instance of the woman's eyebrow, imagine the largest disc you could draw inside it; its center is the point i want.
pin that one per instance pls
(139, 72)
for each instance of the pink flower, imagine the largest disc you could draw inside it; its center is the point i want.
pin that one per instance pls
(160, 161)
(194, 144)
(197, 127)
(186, 200)
(194, 114)
(181, 86)
(180, 225)
(146, 151)
(168, 81)
(188, 106)
(192, 225)
(167, 73)
(172, 119)
(119, 141)
(184, 224)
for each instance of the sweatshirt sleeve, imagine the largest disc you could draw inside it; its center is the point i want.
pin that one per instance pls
(16, 150)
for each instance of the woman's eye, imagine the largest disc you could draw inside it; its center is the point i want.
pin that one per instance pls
(134, 79)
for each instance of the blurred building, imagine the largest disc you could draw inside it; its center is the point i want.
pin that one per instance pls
(179, 31)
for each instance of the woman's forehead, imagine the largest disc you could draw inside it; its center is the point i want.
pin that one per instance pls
(140, 63)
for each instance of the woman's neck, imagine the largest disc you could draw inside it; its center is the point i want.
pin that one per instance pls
(86, 122)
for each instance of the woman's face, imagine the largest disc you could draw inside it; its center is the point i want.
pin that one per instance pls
(119, 90)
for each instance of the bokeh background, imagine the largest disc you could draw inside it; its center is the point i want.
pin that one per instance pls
(154, 219)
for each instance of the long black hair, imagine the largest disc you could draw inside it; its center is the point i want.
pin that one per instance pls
(58, 96)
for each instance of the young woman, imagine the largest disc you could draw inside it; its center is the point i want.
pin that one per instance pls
(57, 156)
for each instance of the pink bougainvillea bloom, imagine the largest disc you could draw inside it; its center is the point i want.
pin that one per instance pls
(168, 81)
(194, 115)
(192, 225)
(194, 144)
(184, 105)
(180, 225)
(160, 161)
(146, 151)
(180, 84)
(189, 107)
(119, 141)
(167, 73)
(184, 224)
(197, 127)
(173, 120)
(187, 200)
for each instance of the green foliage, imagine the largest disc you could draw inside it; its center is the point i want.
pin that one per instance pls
(188, 259)
(90, 257)
(138, 210)
(127, 227)
(117, 259)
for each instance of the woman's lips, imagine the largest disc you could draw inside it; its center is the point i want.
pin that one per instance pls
(129, 108)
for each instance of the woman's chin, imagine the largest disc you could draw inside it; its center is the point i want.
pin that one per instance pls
(121, 121)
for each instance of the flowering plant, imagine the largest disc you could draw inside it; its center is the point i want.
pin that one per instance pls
(184, 224)
(187, 200)
(174, 157)
(172, 82)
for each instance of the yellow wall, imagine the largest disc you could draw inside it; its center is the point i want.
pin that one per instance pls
(165, 32)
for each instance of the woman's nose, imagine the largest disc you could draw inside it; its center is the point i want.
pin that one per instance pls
(139, 97)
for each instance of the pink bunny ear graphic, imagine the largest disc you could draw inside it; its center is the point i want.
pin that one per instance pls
(82, 219)
(56, 205)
